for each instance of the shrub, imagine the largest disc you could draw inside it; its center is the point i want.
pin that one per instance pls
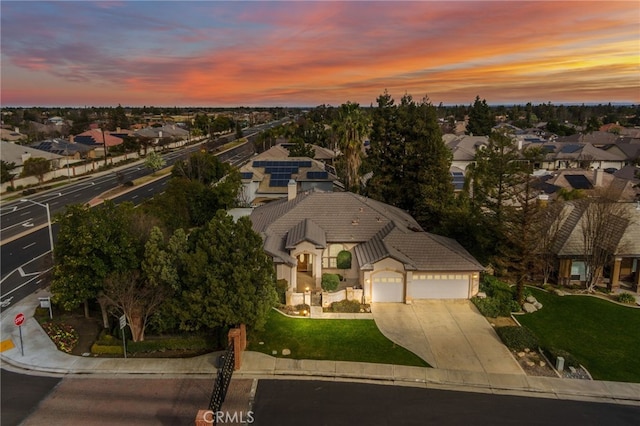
(10, 189)
(343, 259)
(281, 289)
(330, 282)
(626, 298)
(346, 306)
(303, 307)
(488, 307)
(499, 301)
(517, 338)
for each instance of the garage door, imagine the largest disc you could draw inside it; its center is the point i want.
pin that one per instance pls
(439, 286)
(388, 287)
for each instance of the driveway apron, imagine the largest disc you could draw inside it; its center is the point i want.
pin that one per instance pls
(448, 334)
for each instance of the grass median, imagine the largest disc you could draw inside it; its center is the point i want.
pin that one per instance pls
(329, 339)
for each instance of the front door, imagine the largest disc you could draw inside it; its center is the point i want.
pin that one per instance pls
(303, 262)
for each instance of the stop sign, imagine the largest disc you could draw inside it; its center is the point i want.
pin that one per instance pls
(19, 319)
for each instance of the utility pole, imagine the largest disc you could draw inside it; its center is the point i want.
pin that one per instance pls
(104, 144)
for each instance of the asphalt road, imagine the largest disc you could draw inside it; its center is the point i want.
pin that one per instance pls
(319, 403)
(30, 400)
(20, 394)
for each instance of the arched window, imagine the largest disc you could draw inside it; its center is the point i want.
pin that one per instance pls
(330, 254)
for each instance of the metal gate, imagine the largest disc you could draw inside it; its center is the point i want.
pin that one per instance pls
(225, 371)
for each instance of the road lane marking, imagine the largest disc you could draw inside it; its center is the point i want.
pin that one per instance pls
(27, 246)
(27, 282)
(17, 224)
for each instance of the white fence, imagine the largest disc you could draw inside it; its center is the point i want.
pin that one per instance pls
(349, 294)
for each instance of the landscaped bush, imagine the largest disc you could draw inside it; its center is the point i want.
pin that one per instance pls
(499, 300)
(346, 306)
(553, 354)
(330, 282)
(343, 259)
(626, 298)
(517, 338)
(63, 335)
(303, 307)
(281, 289)
(489, 307)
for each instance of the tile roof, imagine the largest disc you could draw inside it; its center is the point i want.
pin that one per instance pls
(621, 236)
(94, 137)
(378, 229)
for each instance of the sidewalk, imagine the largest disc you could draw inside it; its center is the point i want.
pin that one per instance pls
(41, 355)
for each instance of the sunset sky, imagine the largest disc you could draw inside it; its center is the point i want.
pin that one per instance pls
(208, 53)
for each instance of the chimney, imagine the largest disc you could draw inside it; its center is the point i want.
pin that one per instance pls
(72, 139)
(117, 129)
(292, 190)
(160, 134)
(16, 129)
(519, 144)
(598, 177)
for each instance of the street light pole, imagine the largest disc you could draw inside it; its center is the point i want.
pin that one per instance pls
(46, 206)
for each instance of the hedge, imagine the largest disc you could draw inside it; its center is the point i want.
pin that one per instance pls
(517, 338)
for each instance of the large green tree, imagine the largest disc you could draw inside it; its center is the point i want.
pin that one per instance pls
(495, 178)
(226, 278)
(409, 159)
(92, 244)
(481, 118)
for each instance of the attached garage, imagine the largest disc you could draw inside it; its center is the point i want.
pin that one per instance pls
(439, 286)
(388, 287)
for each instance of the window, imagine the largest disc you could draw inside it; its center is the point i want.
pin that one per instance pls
(330, 254)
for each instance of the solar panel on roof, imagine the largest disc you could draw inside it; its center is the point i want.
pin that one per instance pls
(578, 181)
(247, 175)
(278, 182)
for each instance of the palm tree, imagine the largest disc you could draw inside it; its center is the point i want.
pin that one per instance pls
(351, 128)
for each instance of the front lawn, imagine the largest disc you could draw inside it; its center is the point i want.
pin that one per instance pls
(603, 336)
(328, 339)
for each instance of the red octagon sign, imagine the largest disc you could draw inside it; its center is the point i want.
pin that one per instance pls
(19, 319)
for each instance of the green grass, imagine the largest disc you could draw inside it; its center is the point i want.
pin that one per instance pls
(603, 336)
(324, 339)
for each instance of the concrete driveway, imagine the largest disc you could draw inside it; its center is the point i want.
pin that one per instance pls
(448, 334)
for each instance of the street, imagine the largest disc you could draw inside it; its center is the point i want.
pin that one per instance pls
(123, 400)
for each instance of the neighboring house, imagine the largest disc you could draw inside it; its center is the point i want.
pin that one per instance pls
(630, 152)
(588, 180)
(18, 154)
(267, 176)
(393, 259)
(623, 245)
(559, 156)
(70, 150)
(166, 131)
(8, 135)
(464, 148)
(97, 139)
